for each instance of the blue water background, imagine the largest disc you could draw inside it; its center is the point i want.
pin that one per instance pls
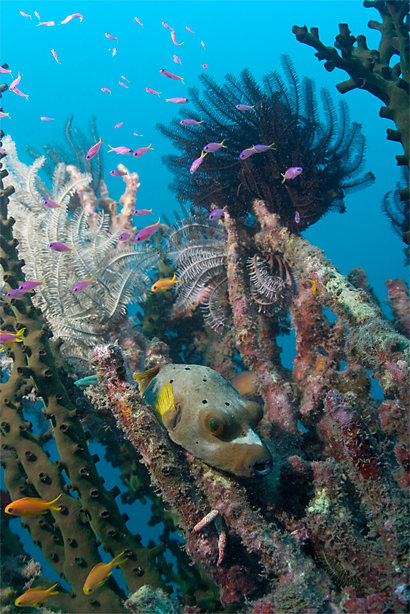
(237, 35)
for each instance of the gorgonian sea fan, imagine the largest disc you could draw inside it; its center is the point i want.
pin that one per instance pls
(330, 152)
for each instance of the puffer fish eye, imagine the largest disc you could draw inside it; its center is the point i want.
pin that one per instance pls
(215, 425)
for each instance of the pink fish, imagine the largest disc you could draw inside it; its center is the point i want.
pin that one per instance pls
(19, 93)
(70, 17)
(44, 118)
(125, 78)
(177, 100)
(174, 39)
(167, 26)
(114, 38)
(118, 125)
(93, 150)
(262, 148)
(189, 30)
(197, 163)
(16, 292)
(50, 204)
(246, 153)
(291, 173)
(14, 83)
(82, 285)
(147, 232)
(205, 66)
(4, 115)
(135, 134)
(31, 284)
(53, 51)
(171, 75)
(297, 217)
(138, 21)
(8, 337)
(176, 59)
(47, 23)
(4, 70)
(114, 51)
(121, 150)
(203, 44)
(3, 151)
(124, 236)
(140, 212)
(190, 122)
(216, 214)
(37, 15)
(60, 247)
(123, 85)
(244, 107)
(151, 91)
(105, 89)
(214, 146)
(25, 14)
(117, 173)
(141, 151)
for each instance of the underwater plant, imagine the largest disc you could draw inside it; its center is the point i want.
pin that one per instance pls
(283, 122)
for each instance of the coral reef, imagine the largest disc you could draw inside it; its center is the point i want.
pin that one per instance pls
(326, 531)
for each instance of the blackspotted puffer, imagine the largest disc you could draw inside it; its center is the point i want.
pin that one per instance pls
(204, 414)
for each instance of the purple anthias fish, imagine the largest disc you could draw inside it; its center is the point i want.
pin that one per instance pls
(262, 148)
(246, 153)
(31, 284)
(15, 83)
(147, 232)
(140, 212)
(151, 91)
(47, 23)
(292, 172)
(141, 151)
(171, 75)
(123, 84)
(114, 38)
(297, 217)
(244, 107)
(124, 236)
(16, 292)
(4, 70)
(216, 214)
(93, 150)
(177, 100)
(190, 122)
(44, 118)
(125, 151)
(204, 66)
(214, 146)
(59, 247)
(116, 173)
(6, 337)
(50, 204)
(82, 285)
(105, 89)
(118, 125)
(70, 17)
(20, 93)
(177, 60)
(196, 163)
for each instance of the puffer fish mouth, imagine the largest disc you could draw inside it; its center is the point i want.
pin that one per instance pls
(262, 468)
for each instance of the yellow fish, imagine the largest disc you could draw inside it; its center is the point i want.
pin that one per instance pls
(164, 284)
(34, 596)
(315, 289)
(100, 573)
(31, 506)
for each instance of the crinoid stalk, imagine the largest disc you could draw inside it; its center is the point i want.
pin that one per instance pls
(284, 116)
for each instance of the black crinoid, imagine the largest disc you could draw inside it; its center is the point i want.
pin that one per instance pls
(396, 206)
(197, 248)
(330, 152)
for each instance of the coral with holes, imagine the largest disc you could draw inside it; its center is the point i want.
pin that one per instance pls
(284, 116)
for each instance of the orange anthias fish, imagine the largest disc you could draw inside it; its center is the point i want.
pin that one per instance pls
(164, 284)
(31, 506)
(34, 596)
(315, 288)
(100, 573)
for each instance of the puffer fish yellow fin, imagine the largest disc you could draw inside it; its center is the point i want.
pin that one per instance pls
(144, 379)
(165, 399)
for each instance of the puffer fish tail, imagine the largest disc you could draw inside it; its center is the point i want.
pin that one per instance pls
(165, 400)
(144, 379)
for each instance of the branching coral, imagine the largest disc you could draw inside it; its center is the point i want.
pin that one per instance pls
(330, 153)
